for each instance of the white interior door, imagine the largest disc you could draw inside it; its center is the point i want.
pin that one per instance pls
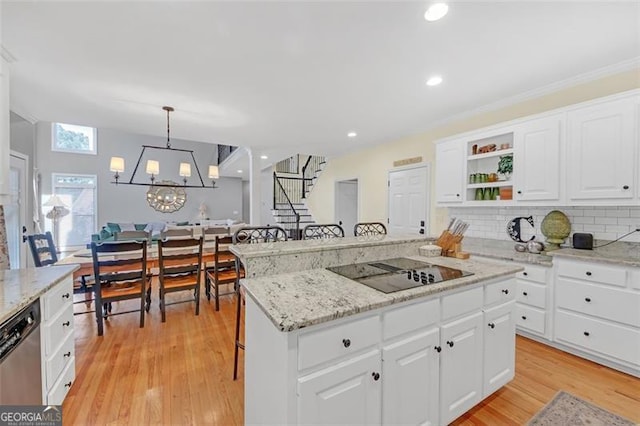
(408, 201)
(16, 211)
(347, 205)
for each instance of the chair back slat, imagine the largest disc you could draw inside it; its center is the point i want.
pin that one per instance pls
(116, 247)
(132, 235)
(43, 249)
(176, 233)
(316, 231)
(369, 228)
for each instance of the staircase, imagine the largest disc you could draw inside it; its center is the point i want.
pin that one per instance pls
(291, 186)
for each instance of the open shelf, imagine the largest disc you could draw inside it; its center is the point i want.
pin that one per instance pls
(490, 184)
(497, 153)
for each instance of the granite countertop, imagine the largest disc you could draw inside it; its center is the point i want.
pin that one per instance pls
(301, 299)
(245, 251)
(615, 254)
(498, 249)
(20, 287)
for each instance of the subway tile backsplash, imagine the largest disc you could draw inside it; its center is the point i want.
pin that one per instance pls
(605, 223)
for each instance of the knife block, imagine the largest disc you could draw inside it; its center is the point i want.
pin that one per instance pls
(451, 245)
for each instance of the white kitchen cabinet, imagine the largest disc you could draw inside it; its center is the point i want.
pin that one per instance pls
(536, 160)
(460, 366)
(499, 347)
(602, 142)
(411, 380)
(450, 177)
(57, 342)
(347, 393)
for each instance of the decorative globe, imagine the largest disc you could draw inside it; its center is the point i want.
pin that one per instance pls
(556, 228)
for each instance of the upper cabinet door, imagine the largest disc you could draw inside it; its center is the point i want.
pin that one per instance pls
(536, 161)
(449, 171)
(602, 147)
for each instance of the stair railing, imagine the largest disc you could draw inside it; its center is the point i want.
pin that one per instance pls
(309, 172)
(280, 197)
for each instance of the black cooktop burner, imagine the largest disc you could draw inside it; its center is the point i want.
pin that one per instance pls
(398, 274)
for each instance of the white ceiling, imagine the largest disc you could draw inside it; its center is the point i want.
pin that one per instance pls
(284, 77)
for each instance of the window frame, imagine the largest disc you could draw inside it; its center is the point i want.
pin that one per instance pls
(55, 187)
(54, 148)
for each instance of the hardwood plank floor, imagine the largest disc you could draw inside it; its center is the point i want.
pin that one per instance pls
(180, 372)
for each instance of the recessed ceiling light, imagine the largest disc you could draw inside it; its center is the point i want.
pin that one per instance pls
(434, 80)
(352, 134)
(436, 11)
(239, 171)
(264, 157)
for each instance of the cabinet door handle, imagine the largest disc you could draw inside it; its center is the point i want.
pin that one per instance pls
(457, 195)
(505, 291)
(491, 325)
(586, 333)
(524, 293)
(67, 385)
(519, 192)
(66, 324)
(376, 376)
(450, 343)
(346, 342)
(588, 273)
(625, 187)
(525, 273)
(524, 318)
(68, 354)
(587, 299)
(66, 296)
(437, 348)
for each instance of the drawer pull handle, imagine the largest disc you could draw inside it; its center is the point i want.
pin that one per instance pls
(68, 354)
(588, 273)
(587, 299)
(524, 293)
(376, 376)
(450, 343)
(66, 296)
(346, 342)
(525, 273)
(66, 324)
(457, 195)
(67, 385)
(524, 318)
(491, 325)
(505, 291)
(625, 187)
(586, 333)
(437, 348)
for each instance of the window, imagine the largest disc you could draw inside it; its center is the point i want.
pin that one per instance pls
(78, 193)
(72, 138)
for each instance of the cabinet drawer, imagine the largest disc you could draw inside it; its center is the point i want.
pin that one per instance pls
(54, 300)
(500, 292)
(533, 273)
(530, 319)
(598, 336)
(593, 272)
(59, 360)
(60, 389)
(607, 303)
(330, 343)
(531, 294)
(57, 329)
(410, 318)
(461, 303)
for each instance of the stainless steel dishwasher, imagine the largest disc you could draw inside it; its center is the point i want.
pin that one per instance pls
(20, 370)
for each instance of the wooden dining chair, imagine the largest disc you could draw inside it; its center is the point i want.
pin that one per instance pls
(223, 271)
(121, 273)
(318, 231)
(180, 269)
(250, 235)
(369, 228)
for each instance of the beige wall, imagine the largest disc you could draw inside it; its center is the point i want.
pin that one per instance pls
(371, 166)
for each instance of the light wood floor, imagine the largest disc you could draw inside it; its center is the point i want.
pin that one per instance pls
(180, 372)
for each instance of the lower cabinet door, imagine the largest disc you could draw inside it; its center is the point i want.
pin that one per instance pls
(499, 347)
(460, 366)
(410, 380)
(347, 393)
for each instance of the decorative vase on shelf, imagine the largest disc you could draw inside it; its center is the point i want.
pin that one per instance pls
(556, 228)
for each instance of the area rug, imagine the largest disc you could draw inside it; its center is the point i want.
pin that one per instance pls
(568, 410)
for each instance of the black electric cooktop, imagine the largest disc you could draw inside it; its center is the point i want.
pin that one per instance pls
(398, 274)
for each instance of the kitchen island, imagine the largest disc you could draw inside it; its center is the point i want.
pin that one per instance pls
(322, 348)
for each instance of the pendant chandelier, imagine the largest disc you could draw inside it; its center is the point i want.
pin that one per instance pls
(153, 166)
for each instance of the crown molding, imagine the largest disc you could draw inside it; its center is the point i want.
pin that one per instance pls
(27, 117)
(6, 55)
(609, 70)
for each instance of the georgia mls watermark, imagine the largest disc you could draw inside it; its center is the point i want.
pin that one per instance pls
(30, 415)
